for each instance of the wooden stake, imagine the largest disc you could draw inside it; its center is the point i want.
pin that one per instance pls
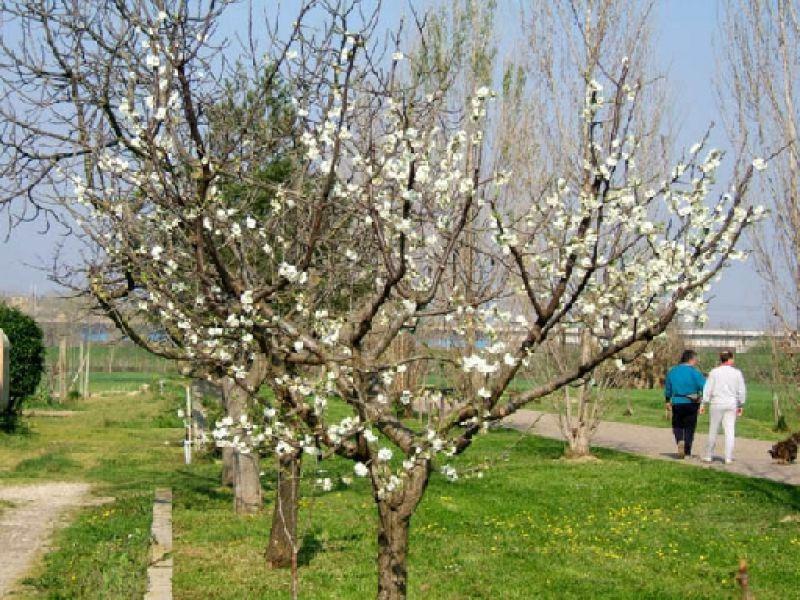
(80, 367)
(86, 393)
(743, 579)
(187, 442)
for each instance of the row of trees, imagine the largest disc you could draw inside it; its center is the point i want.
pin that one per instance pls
(287, 208)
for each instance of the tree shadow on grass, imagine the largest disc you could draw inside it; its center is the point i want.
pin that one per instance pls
(778, 493)
(309, 548)
(14, 424)
(313, 545)
(201, 484)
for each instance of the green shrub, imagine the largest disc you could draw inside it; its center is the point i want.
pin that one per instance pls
(27, 354)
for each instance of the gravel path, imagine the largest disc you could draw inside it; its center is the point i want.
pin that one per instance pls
(26, 527)
(751, 456)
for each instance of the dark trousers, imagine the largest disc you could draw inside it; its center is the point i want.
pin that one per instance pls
(684, 421)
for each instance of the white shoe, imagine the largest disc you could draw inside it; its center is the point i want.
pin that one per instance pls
(707, 459)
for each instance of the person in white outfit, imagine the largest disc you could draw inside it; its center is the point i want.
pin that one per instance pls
(724, 392)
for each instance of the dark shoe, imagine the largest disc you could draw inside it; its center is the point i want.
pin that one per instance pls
(681, 450)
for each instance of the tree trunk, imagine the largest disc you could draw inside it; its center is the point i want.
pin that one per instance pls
(392, 554)
(245, 467)
(394, 521)
(579, 442)
(246, 483)
(283, 542)
(227, 467)
(579, 429)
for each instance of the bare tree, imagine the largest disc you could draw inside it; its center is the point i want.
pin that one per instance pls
(579, 405)
(760, 64)
(759, 58)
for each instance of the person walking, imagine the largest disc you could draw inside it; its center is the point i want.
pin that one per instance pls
(724, 392)
(682, 390)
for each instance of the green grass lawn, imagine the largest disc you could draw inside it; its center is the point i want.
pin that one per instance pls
(533, 526)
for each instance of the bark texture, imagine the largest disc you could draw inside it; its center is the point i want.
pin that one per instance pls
(244, 468)
(394, 512)
(283, 542)
(246, 483)
(227, 467)
(579, 441)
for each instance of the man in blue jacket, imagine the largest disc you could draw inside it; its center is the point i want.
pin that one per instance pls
(683, 392)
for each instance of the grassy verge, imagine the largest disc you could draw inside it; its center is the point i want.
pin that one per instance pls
(648, 409)
(533, 526)
(124, 445)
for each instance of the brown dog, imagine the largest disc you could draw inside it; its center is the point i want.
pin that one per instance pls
(785, 452)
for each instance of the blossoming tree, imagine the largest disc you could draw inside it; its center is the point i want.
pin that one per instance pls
(155, 146)
(619, 257)
(173, 163)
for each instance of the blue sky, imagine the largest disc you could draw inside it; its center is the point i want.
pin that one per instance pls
(685, 32)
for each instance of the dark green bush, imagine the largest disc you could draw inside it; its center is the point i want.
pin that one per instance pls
(27, 354)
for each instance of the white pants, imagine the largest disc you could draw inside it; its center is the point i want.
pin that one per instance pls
(726, 416)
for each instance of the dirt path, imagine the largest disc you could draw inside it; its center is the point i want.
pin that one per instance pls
(751, 456)
(26, 527)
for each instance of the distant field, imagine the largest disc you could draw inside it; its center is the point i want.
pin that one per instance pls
(130, 367)
(113, 357)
